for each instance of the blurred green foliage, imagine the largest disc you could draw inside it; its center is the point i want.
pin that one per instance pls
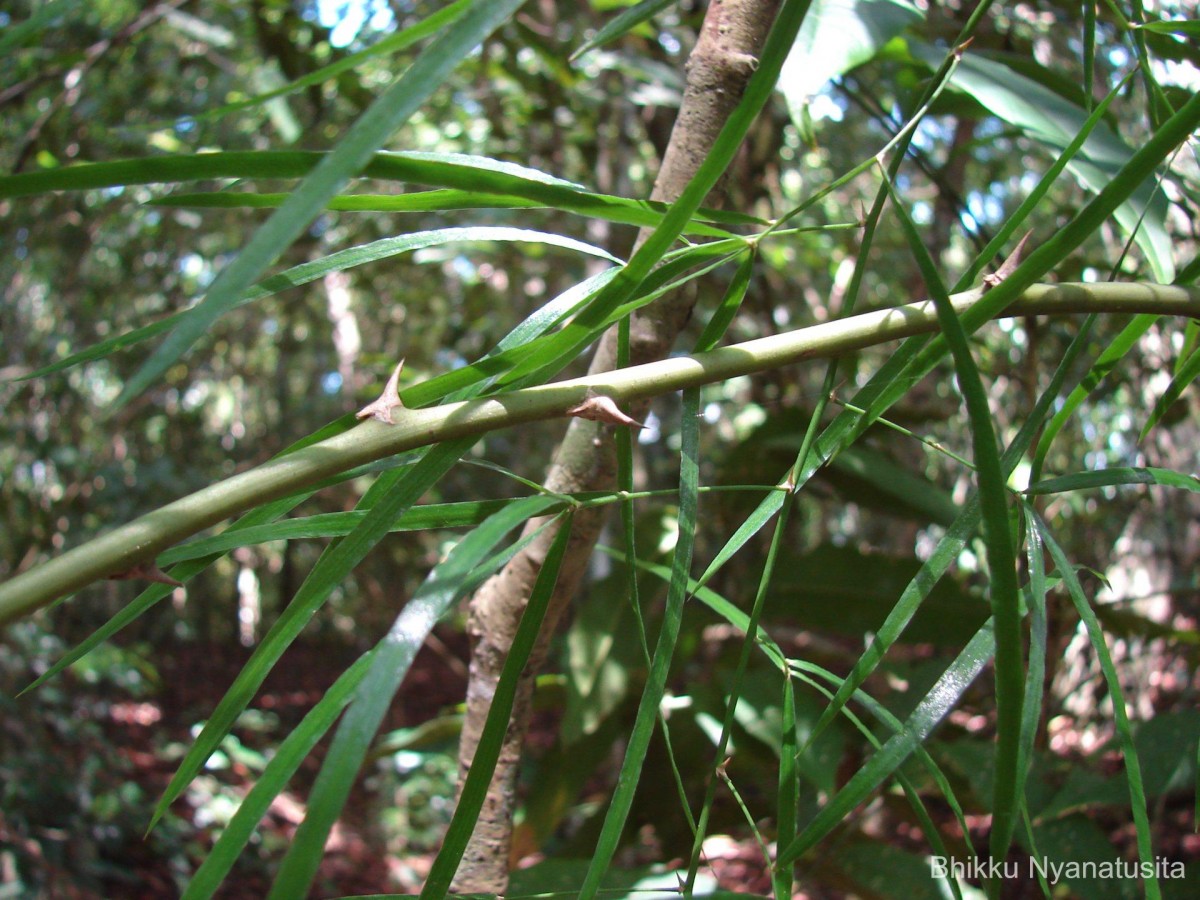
(81, 267)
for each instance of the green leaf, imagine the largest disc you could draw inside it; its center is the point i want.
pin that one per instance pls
(1113, 352)
(735, 688)
(351, 155)
(465, 568)
(1051, 119)
(399, 489)
(1188, 372)
(628, 20)
(787, 792)
(285, 760)
(1187, 27)
(810, 673)
(1001, 556)
(837, 36)
(664, 651)
(491, 741)
(1133, 770)
(947, 551)
(932, 709)
(326, 525)
(1106, 477)
(1035, 679)
(469, 180)
(716, 326)
(568, 199)
(417, 201)
(629, 290)
(308, 272)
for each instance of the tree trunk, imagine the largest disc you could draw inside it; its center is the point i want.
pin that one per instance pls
(725, 55)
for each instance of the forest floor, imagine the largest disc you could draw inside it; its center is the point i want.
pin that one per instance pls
(358, 859)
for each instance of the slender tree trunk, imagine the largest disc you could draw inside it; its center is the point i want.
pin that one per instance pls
(725, 55)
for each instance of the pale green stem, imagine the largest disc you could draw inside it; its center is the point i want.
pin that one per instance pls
(121, 549)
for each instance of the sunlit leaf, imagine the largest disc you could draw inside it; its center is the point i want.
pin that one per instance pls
(837, 36)
(1051, 119)
(352, 153)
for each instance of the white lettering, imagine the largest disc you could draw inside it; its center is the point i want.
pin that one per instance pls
(980, 870)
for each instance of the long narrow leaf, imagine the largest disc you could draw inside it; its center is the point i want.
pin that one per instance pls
(1115, 476)
(1188, 372)
(399, 489)
(487, 752)
(578, 201)
(623, 23)
(1113, 352)
(354, 151)
(463, 569)
(283, 765)
(787, 792)
(664, 651)
(1001, 557)
(941, 698)
(809, 674)
(326, 525)
(1038, 638)
(487, 180)
(953, 541)
(733, 694)
(340, 261)
(731, 302)
(1133, 771)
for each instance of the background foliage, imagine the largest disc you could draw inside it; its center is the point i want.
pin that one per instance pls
(87, 755)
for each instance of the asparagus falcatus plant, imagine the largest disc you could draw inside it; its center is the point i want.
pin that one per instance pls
(922, 295)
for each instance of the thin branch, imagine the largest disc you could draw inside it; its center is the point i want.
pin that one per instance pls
(139, 541)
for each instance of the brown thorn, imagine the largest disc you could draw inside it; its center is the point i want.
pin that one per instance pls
(1009, 265)
(147, 572)
(381, 409)
(599, 408)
